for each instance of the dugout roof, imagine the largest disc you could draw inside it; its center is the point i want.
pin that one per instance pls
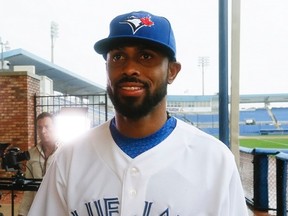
(64, 81)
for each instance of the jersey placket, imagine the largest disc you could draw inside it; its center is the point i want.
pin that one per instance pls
(133, 191)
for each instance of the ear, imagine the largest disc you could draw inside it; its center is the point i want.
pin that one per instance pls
(174, 68)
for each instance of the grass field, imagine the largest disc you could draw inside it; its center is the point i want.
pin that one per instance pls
(267, 141)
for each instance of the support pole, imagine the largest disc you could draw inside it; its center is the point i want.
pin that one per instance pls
(235, 67)
(223, 73)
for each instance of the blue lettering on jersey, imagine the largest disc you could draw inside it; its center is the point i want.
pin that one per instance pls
(147, 208)
(165, 213)
(74, 213)
(111, 208)
(98, 208)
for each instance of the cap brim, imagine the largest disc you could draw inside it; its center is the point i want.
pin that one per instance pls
(105, 45)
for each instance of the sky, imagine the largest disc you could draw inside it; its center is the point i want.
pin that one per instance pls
(263, 38)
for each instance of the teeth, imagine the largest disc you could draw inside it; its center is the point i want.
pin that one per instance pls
(131, 88)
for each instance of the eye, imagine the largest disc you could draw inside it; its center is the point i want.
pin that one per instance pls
(117, 57)
(149, 58)
(145, 56)
(48, 127)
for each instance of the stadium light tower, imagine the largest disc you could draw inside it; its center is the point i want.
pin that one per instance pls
(54, 34)
(6, 46)
(203, 61)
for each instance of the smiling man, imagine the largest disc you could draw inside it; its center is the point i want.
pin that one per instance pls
(143, 161)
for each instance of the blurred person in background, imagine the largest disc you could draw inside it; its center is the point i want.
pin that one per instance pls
(41, 156)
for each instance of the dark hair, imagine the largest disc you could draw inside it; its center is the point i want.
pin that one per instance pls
(44, 115)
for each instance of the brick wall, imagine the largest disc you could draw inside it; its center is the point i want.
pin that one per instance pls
(17, 90)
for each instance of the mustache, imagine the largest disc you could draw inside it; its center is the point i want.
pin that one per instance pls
(132, 79)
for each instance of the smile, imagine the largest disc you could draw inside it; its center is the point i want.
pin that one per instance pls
(131, 88)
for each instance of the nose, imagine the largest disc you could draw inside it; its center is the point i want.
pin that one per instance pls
(131, 68)
(42, 130)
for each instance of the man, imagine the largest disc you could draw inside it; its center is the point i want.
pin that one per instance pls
(142, 162)
(41, 156)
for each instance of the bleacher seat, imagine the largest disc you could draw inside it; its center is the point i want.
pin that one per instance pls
(281, 114)
(262, 121)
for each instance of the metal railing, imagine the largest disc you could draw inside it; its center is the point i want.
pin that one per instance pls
(264, 177)
(96, 105)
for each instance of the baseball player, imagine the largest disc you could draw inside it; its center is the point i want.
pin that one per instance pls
(142, 162)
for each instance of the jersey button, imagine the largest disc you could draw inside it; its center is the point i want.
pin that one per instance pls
(133, 192)
(134, 171)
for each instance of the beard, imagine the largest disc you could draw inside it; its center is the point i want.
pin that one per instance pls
(130, 107)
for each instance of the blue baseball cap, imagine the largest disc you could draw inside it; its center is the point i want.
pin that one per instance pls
(139, 26)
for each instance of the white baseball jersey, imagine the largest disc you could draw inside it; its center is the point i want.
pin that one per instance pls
(190, 173)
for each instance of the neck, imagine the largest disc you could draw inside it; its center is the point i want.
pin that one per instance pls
(48, 148)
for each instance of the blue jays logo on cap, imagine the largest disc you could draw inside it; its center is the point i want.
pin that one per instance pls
(139, 26)
(136, 23)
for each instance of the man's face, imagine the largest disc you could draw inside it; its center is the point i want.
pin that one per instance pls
(137, 80)
(46, 130)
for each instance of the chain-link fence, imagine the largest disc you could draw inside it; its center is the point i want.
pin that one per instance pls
(264, 177)
(246, 173)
